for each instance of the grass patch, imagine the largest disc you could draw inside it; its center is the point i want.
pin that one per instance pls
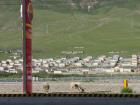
(51, 75)
(112, 26)
(127, 90)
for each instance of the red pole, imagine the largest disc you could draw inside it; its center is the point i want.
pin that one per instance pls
(27, 46)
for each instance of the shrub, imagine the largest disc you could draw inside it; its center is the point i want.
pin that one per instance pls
(46, 88)
(126, 90)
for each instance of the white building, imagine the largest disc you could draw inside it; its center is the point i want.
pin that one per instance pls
(78, 64)
(57, 72)
(1, 68)
(62, 65)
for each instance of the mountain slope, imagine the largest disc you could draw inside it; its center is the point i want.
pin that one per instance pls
(113, 25)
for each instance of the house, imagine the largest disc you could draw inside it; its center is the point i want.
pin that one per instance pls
(87, 59)
(46, 65)
(47, 70)
(1, 68)
(124, 64)
(102, 58)
(61, 65)
(12, 71)
(85, 71)
(108, 69)
(57, 72)
(95, 63)
(78, 64)
(127, 69)
(57, 64)
(35, 71)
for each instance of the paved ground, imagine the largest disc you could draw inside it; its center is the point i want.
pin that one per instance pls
(69, 101)
(62, 86)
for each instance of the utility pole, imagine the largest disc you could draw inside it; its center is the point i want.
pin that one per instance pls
(27, 14)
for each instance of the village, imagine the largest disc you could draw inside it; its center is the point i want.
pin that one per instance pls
(75, 65)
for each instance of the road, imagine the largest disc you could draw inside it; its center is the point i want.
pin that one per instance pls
(68, 101)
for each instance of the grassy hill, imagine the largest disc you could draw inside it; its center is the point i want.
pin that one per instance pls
(112, 26)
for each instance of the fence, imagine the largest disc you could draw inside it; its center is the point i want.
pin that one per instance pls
(69, 28)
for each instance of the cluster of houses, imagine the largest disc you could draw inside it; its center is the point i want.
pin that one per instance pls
(11, 66)
(88, 64)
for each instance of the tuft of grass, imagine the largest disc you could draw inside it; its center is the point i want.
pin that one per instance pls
(127, 90)
(46, 88)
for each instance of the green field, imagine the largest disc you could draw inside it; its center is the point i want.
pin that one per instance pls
(114, 25)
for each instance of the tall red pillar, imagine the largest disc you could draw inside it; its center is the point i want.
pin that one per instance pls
(27, 13)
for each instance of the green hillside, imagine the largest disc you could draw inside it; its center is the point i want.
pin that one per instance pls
(112, 25)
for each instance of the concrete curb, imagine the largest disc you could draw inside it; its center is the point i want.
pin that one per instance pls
(70, 95)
